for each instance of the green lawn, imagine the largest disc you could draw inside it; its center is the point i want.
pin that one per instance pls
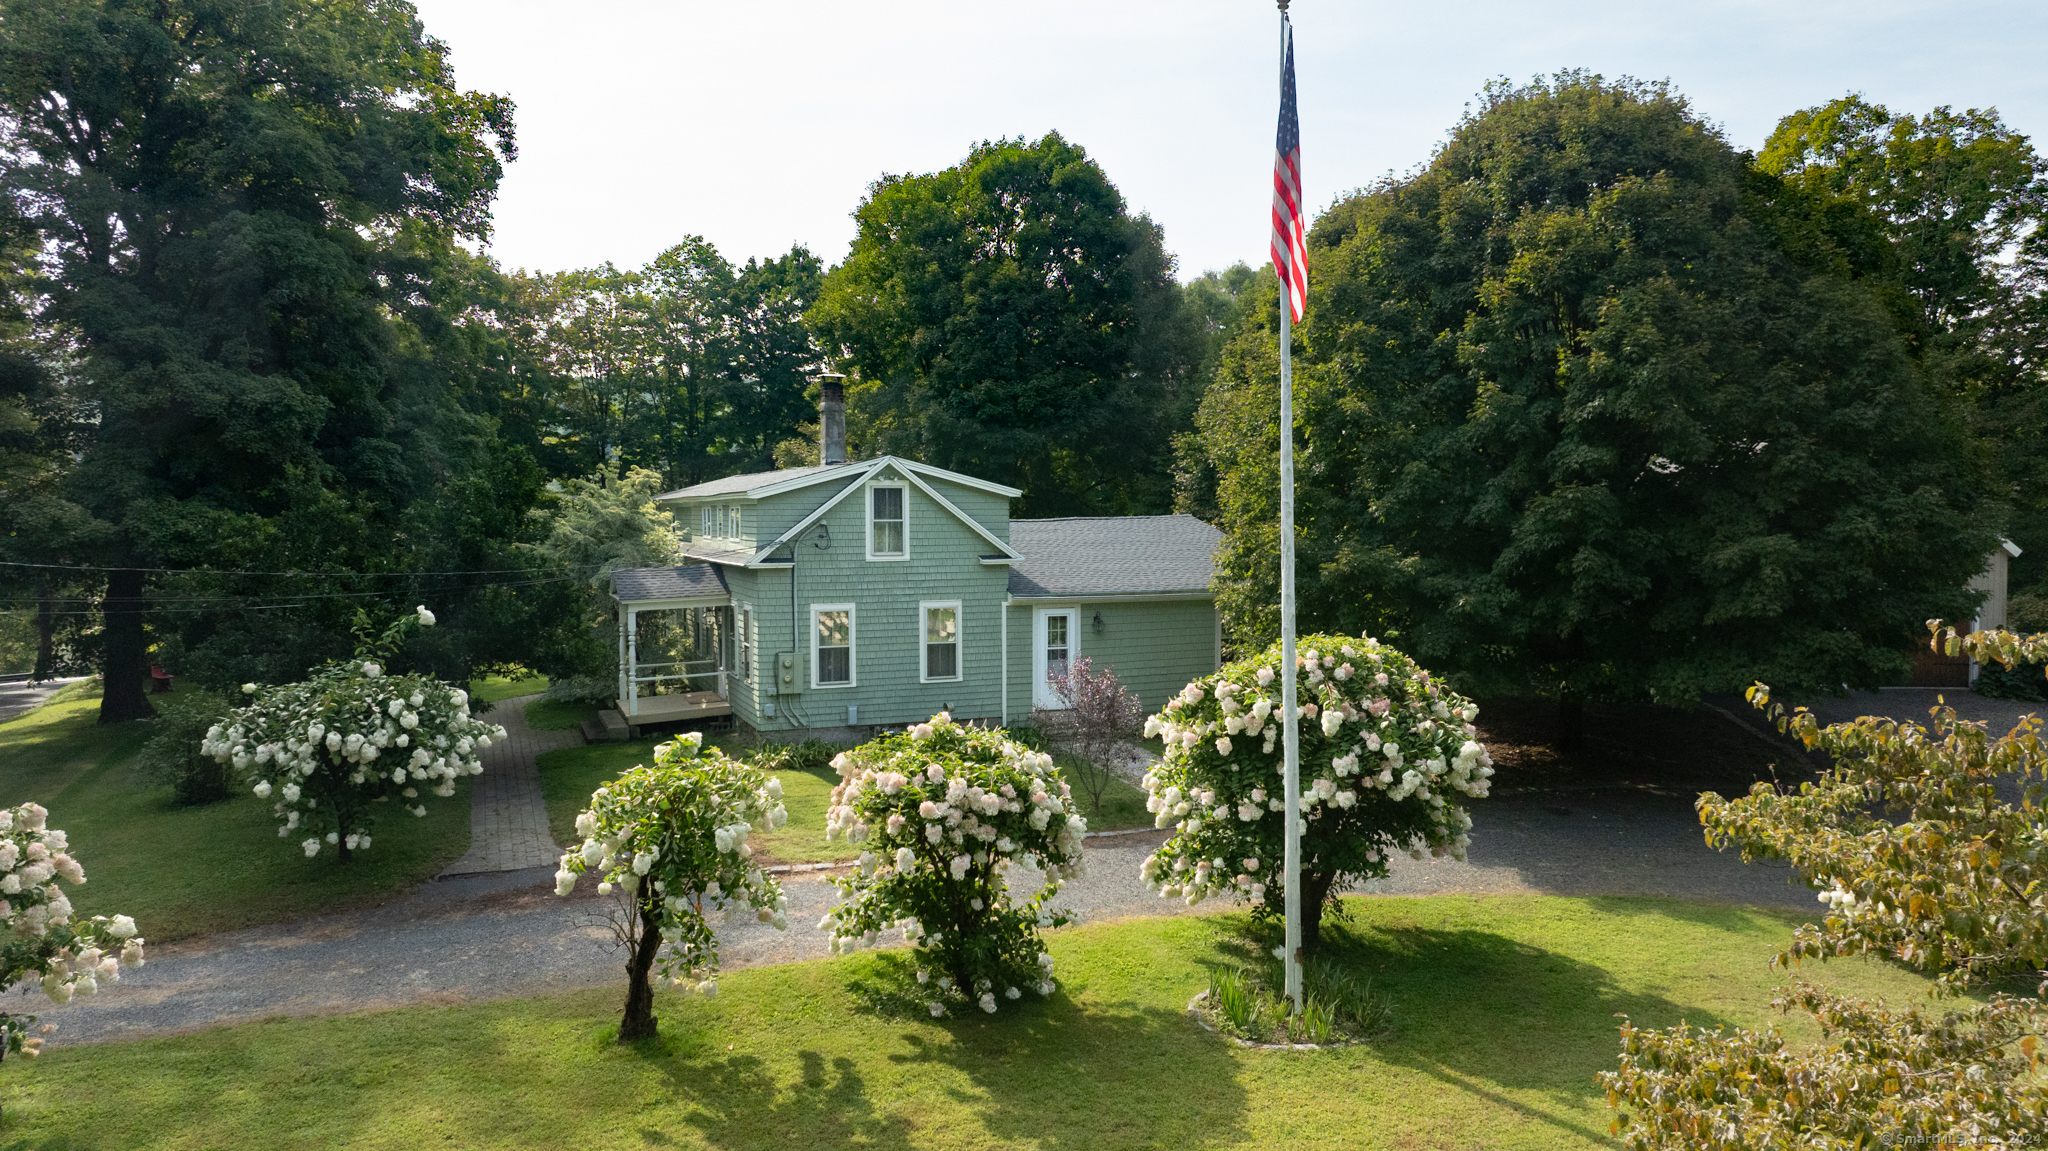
(568, 776)
(493, 688)
(196, 870)
(1505, 1010)
(558, 714)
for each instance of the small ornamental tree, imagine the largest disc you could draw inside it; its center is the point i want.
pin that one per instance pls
(350, 737)
(1388, 754)
(670, 841)
(1097, 716)
(949, 818)
(1917, 858)
(67, 954)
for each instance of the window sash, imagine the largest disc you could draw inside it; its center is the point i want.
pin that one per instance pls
(885, 520)
(942, 642)
(833, 642)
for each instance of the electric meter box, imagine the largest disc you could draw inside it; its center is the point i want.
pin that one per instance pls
(785, 673)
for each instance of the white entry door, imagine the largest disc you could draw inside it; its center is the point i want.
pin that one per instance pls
(1052, 646)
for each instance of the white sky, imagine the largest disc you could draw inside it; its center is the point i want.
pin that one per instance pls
(761, 124)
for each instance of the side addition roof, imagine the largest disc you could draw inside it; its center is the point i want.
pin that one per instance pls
(644, 585)
(1112, 556)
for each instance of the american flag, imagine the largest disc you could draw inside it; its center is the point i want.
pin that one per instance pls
(1290, 227)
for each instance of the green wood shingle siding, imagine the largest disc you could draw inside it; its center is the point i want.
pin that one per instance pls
(1156, 647)
(888, 654)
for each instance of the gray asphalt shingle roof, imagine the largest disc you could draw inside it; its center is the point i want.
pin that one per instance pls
(639, 585)
(736, 485)
(1112, 555)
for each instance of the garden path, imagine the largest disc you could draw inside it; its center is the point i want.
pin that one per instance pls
(508, 818)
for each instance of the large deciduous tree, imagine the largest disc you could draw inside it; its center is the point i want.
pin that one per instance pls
(1956, 205)
(1589, 405)
(1009, 318)
(238, 207)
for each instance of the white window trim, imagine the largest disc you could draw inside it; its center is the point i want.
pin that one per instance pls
(732, 522)
(1038, 640)
(748, 656)
(959, 641)
(852, 646)
(868, 514)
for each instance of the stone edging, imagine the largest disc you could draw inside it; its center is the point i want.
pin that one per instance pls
(1195, 1014)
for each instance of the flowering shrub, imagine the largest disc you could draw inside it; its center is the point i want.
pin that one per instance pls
(351, 736)
(945, 814)
(1916, 857)
(1097, 717)
(1387, 754)
(66, 954)
(670, 841)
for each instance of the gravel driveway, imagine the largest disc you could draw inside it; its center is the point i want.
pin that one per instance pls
(508, 934)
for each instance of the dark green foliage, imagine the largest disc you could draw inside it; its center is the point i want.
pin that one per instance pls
(1009, 318)
(2023, 683)
(172, 754)
(689, 366)
(813, 755)
(1949, 210)
(247, 214)
(1590, 405)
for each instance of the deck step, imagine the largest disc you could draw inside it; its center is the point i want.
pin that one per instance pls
(612, 726)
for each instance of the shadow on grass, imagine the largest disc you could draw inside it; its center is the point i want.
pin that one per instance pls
(739, 1102)
(1048, 1073)
(1491, 1016)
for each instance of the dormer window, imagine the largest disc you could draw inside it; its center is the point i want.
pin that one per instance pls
(886, 523)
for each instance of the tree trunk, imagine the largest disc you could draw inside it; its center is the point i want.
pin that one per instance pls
(1571, 720)
(639, 1021)
(124, 669)
(1315, 889)
(46, 632)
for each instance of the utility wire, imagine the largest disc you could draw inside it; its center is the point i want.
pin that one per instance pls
(323, 575)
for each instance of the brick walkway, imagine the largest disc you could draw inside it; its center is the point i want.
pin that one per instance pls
(508, 819)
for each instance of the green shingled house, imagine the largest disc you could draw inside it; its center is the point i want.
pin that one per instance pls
(875, 593)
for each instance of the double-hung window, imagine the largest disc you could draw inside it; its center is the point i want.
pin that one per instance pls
(886, 523)
(746, 645)
(707, 522)
(732, 522)
(939, 632)
(832, 645)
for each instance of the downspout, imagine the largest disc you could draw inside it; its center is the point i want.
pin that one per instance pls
(1005, 676)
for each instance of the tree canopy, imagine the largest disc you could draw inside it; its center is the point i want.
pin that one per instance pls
(240, 209)
(1009, 318)
(1592, 405)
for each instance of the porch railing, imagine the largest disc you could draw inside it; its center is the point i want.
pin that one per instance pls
(707, 676)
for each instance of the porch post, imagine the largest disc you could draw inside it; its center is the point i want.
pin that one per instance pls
(625, 669)
(632, 697)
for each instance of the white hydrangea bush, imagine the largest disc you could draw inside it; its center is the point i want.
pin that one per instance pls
(350, 737)
(949, 818)
(671, 841)
(65, 954)
(1389, 755)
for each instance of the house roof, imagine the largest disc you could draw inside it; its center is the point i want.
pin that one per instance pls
(1112, 556)
(741, 485)
(758, 484)
(640, 585)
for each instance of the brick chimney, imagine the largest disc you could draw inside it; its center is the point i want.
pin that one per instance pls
(832, 419)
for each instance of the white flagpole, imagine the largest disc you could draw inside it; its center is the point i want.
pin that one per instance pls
(1291, 729)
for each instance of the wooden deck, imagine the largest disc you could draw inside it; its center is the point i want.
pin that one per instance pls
(671, 708)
